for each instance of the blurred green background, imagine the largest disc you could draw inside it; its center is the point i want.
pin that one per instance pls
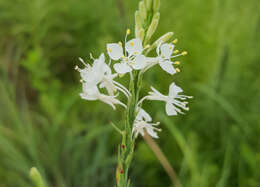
(44, 123)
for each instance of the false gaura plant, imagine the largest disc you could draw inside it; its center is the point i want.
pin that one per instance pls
(131, 58)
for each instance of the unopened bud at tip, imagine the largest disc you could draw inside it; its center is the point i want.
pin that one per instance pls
(120, 43)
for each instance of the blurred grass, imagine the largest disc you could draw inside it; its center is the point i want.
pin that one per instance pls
(44, 123)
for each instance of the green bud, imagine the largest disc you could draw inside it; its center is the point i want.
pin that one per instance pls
(139, 34)
(142, 10)
(164, 38)
(139, 31)
(152, 28)
(148, 4)
(138, 20)
(36, 177)
(156, 5)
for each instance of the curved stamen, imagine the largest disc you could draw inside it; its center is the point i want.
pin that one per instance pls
(121, 86)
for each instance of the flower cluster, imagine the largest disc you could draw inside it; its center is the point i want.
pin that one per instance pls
(98, 80)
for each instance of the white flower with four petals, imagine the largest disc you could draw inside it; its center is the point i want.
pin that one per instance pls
(131, 59)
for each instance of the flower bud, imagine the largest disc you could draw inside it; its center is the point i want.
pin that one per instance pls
(164, 38)
(156, 5)
(152, 28)
(148, 4)
(138, 20)
(36, 177)
(139, 34)
(142, 10)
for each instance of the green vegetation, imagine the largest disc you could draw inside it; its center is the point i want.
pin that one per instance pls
(45, 124)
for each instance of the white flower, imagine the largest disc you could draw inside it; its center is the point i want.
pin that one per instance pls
(100, 74)
(164, 53)
(143, 123)
(90, 92)
(132, 59)
(174, 101)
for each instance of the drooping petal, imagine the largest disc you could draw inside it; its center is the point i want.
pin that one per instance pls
(170, 109)
(89, 92)
(139, 62)
(122, 68)
(174, 90)
(166, 50)
(152, 132)
(115, 51)
(143, 115)
(134, 47)
(168, 67)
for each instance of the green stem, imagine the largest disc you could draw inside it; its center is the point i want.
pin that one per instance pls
(128, 141)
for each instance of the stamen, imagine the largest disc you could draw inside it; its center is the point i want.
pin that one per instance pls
(132, 44)
(91, 56)
(76, 68)
(147, 46)
(82, 61)
(178, 70)
(135, 53)
(128, 31)
(184, 53)
(109, 50)
(175, 41)
(176, 51)
(177, 62)
(120, 43)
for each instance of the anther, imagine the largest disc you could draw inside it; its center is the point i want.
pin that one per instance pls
(184, 53)
(132, 44)
(175, 41)
(178, 70)
(120, 43)
(128, 31)
(109, 50)
(177, 62)
(176, 51)
(76, 68)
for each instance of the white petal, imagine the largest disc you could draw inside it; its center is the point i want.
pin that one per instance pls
(139, 62)
(89, 92)
(115, 51)
(174, 90)
(166, 50)
(158, 49)
(152, 133)
(134, 47)
(170, 109)
(122, 68)
(143, 115)
(167, 66)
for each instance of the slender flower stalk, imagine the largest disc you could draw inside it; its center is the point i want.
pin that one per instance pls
(131, 58)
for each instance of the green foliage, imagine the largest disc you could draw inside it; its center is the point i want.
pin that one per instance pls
(44, 123)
